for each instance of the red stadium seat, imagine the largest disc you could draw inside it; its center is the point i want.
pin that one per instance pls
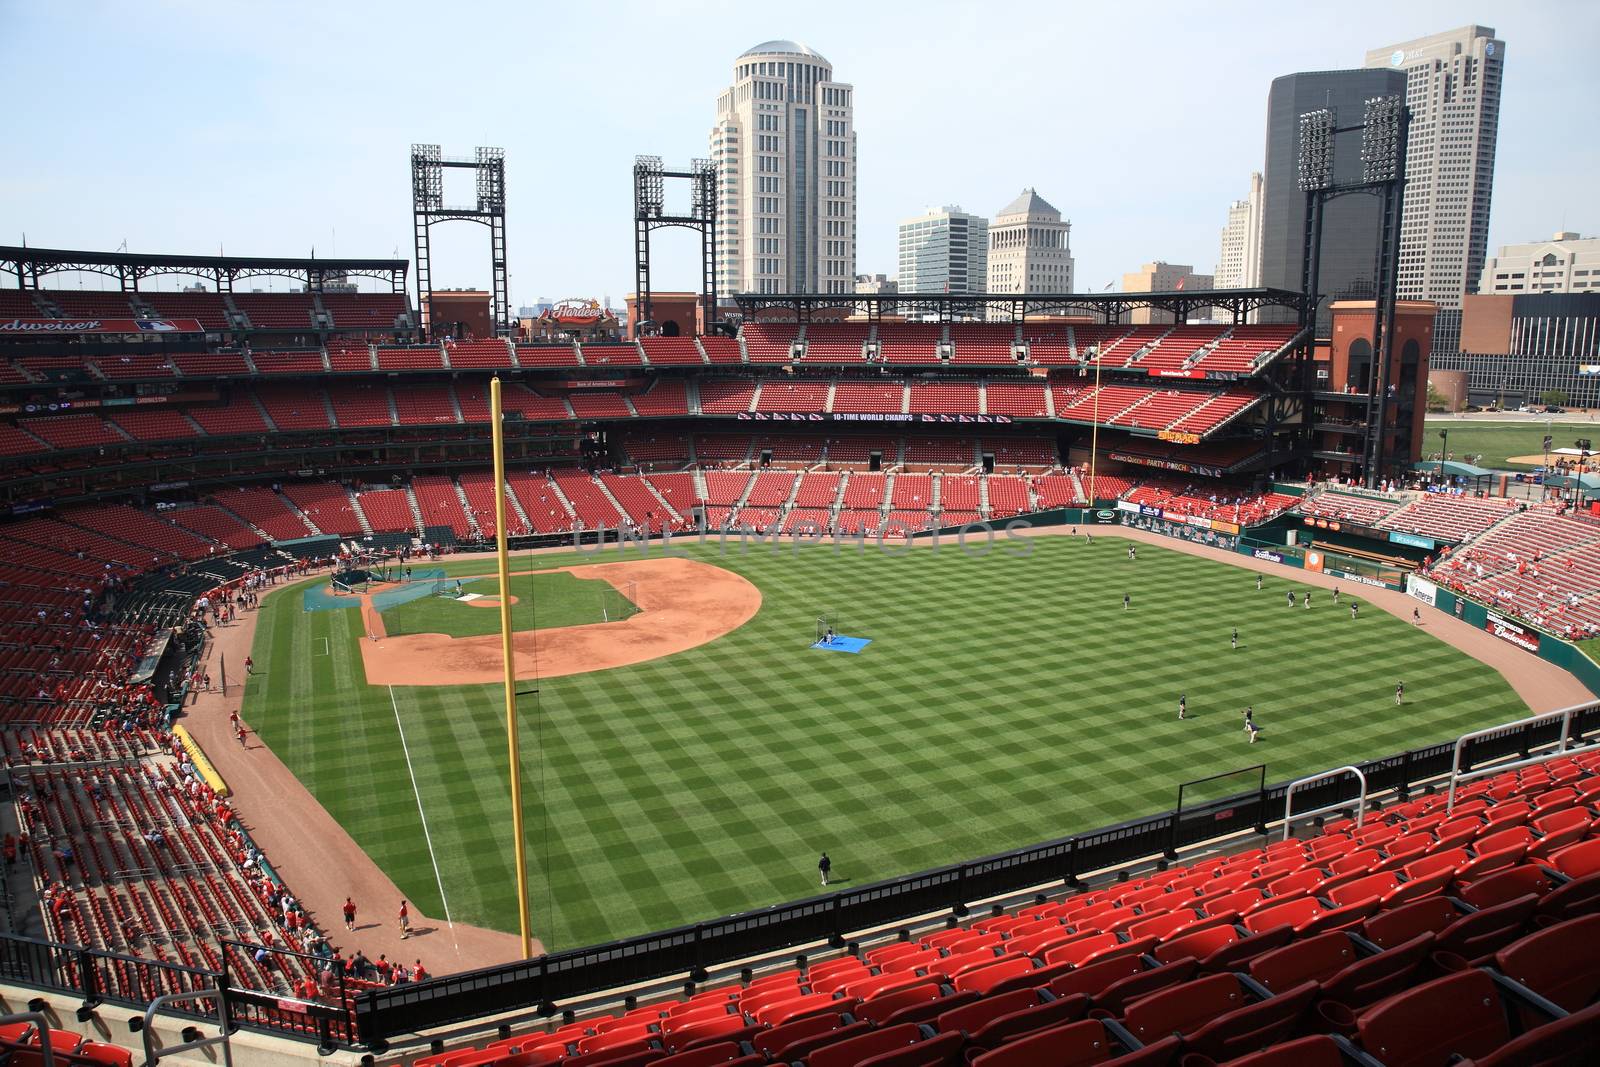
(1311, 959)
(857, 1049)
(1318, 1050)
(1509, 884)
(1482, 933)
(1577, 861)
(1080, 1044)
(1567, 1042)
(977, 1015)
(1395, 927)
(770, 1041)
(1009, 1027)
(1459, 1015)
(1373, 977)
(877, 1010)
(1558, 962)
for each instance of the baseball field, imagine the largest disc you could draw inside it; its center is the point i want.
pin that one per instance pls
(1005, 698)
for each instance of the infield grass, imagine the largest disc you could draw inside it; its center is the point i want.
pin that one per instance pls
(543, 602)
(1003, 701)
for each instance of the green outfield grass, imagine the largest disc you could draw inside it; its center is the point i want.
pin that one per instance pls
(1003, 701)
(543, 602)
(1498, 441)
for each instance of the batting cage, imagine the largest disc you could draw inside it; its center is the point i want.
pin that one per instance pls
(832, 636)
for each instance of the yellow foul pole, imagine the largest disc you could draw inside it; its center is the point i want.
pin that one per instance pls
(512, 744)
(1094, 432)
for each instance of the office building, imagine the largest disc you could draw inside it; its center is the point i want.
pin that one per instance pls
(1567, 263)
(1239, 261)
(784, 146)
(878, 285)
(943, 251)
(1030, 248)
(1453, 93)
(1516, 347)
(1352, 225)
(1162, 277)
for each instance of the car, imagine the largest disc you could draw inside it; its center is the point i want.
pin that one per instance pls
(1551, 409)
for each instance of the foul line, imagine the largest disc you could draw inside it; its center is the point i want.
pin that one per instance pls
(424, 815)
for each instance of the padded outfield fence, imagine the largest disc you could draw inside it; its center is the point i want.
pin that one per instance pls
(542, 985)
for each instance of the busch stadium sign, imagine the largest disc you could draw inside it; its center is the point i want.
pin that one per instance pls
(1507, 630)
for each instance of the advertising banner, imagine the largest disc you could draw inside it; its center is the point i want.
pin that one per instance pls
(1359, 579)
(1166, 464)
(1422, 589)
(1127, 505)
(1313, 561)
(25, 327)
(1518, 635)
(1414, 540)
(1224, 527)
(1196, 520)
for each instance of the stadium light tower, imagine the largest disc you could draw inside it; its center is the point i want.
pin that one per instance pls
(428, 207)
(649, 213)
(1383, 167)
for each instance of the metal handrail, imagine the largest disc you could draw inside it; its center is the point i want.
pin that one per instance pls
(1288, 796)
(153, 1055)
(1565, 715)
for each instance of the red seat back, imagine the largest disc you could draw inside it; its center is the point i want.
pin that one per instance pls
(1459, 1015)
(1183, 1008)
(1310, 959)
(1559, 962)
(856, 1049)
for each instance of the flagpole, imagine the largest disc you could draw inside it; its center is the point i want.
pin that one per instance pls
(513, 747)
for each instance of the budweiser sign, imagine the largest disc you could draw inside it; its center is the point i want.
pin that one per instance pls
(100, 326)
(1507, 630)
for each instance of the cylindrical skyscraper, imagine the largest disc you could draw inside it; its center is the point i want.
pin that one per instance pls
(784, 146)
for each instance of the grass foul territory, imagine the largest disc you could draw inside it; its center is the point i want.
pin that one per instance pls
(1004, 700)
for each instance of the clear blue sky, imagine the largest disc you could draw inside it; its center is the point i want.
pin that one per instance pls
(272, 128)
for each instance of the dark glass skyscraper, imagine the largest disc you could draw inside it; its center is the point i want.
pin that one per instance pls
(1350, 231)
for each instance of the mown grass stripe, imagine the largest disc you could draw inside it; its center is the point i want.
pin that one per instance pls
(1003, 701)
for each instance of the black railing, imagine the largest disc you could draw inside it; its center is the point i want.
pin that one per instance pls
(686, 951)
(103, 977)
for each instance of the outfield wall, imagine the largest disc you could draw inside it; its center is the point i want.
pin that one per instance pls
(1562, 653)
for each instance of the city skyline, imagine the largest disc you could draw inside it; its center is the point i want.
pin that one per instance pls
(298, 155)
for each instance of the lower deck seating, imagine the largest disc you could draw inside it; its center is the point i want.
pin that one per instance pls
(1419, 937)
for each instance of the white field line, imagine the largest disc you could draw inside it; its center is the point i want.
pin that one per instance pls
(424, 815)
